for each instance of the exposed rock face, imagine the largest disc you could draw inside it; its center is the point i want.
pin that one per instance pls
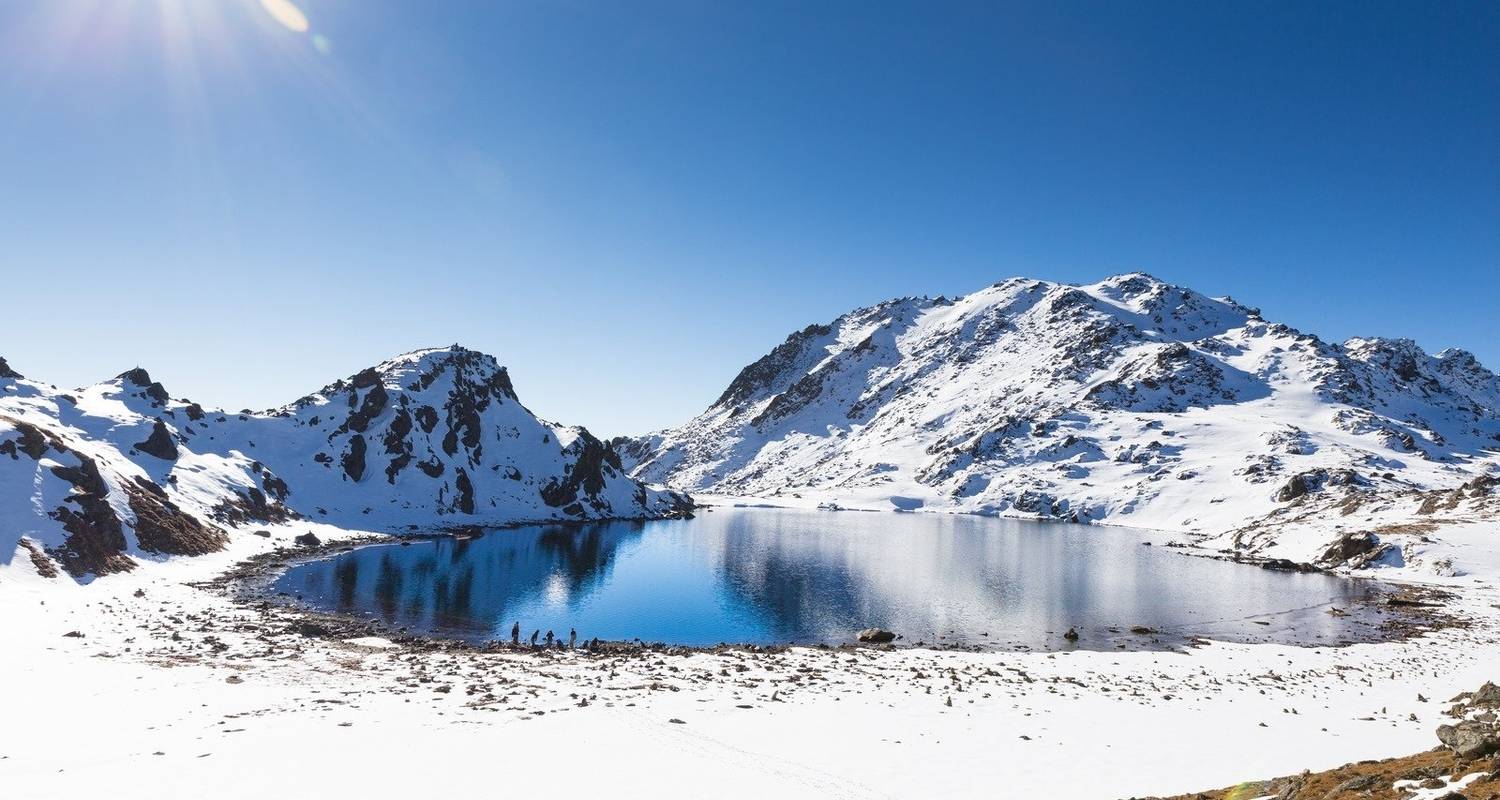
(96, 539)
(160, 443)
(435, 437)
(7, 372)
(162, 527)
(1129, 400)
(141, 379)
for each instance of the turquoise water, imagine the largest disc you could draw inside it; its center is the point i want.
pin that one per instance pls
(768, 576)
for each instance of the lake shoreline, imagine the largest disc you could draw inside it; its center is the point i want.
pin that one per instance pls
(1414, 609)
(171, 661)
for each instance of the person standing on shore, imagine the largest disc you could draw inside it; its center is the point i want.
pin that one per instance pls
(535, 634)
(572, 637)
(515, 633)
(549, 639)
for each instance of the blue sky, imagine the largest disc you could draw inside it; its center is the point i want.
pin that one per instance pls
(627, 202)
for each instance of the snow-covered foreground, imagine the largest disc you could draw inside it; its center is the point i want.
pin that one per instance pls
(182, 692)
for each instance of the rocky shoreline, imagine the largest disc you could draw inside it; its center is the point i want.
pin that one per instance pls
(1405, 611)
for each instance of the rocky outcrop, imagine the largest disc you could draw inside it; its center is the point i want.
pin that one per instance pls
(140, 379)
(1477, 731)
(160, 443)
(95, 541)
(162, 527)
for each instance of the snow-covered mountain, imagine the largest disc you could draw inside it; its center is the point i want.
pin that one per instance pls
(92, 480)
(1130, 401)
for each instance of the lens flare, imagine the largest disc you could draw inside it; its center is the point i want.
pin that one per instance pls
(287, 13)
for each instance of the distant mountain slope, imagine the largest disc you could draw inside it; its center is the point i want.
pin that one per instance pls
(1129, 400)
(93, 479)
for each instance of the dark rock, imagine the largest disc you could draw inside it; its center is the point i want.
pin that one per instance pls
(96, 538)
(308, 539)
(1348, 546)
(876, 636)
(1295, 487)
(1287, 565)
(7, 372)
(354, 460)
(1071, 635)
(593, 461)
(160, 443)
(34, 442)
(465, 491)
(141, 378)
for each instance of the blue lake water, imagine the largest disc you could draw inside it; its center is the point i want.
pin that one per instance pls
(768, 576)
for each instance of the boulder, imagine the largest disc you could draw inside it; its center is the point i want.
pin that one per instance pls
(308, 539)
(1488, 695)
(1470, 739)
(876, 636)
(1348, 546)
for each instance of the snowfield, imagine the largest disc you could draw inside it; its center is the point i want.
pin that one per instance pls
(181, 692)
(132, 669)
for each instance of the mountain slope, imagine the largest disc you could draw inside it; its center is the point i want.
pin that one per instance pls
(92, 480)
(1129, 400)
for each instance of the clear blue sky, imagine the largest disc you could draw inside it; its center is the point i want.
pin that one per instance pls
(627, 202)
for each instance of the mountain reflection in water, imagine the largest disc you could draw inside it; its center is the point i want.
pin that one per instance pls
(776, 576)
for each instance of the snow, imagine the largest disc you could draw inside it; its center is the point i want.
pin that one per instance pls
(315, 717)
(433, 438)
(1129, 401)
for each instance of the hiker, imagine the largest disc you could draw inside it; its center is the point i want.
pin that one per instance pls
(549, 638)
(535, 634)
(572, 637)
(515, 633)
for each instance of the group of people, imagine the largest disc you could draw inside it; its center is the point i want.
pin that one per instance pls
(550, 640)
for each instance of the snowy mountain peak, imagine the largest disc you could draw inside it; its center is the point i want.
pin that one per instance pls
(138, 382)
(7, 372)
(1128, 398)
(109, 474)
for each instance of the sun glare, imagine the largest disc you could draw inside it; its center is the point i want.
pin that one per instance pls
(287, 13)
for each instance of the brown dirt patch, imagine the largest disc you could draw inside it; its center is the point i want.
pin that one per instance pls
(1368, 780)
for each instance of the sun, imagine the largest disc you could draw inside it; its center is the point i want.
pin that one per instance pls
(287, 13)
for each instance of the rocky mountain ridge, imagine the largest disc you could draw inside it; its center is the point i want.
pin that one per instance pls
(1130, 400)
(94, 480)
